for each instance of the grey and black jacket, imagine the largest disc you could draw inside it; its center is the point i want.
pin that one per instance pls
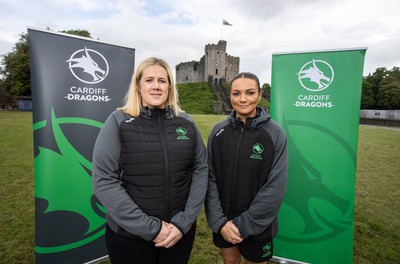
(150, 168)
(248, 172)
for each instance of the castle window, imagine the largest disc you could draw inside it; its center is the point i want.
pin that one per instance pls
(216, 71)
(217, 52)
(187, 78)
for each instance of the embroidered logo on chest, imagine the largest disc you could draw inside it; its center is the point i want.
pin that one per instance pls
(258, 149)
(181, 133)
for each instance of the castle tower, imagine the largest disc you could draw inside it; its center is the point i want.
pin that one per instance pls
(216, 64)
(215, 56)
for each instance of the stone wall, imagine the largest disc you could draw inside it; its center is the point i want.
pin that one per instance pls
(215, 64)
(189, 72)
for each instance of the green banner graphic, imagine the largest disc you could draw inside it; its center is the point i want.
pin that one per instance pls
(76, 83)
(315, 96)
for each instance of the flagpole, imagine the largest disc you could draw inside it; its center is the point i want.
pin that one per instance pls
(224, 23)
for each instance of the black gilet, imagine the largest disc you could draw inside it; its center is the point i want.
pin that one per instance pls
(157, 156)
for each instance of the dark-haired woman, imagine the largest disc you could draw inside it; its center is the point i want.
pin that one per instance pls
(248, 172)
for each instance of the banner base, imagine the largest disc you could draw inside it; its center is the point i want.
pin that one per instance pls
(101, 259)
(284, 260)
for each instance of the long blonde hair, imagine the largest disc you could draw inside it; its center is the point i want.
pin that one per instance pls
(133, 100)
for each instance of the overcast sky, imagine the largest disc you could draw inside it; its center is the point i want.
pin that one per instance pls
(178, 30)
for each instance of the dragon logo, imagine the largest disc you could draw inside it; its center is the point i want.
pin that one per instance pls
(88, 66)
(267, 250)
(258, 148)
(181, 131)
(316, 75)
(70, 215)
(325, 210)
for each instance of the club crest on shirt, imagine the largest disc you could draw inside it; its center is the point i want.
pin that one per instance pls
(181, 131)
(258, 149)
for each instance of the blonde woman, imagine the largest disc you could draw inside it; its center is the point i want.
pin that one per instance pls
(150, 172)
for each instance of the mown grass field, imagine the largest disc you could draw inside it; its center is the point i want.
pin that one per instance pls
(377, 224)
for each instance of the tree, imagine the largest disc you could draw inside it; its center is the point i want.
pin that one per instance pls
(16, 65)
(389, 93)
(78, 32)
(367, 96)
(395, 72)
(4, 96)
(375, 80)
(16, 69)
(383, 83)
(266, 89)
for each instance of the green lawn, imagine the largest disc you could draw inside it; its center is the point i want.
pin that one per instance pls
(377, 224)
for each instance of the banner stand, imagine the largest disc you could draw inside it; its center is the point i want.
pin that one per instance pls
(76, 83)
(315, 96)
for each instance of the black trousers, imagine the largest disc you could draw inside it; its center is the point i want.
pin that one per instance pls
(124, 250)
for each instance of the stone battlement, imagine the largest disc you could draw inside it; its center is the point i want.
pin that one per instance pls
(215, 64)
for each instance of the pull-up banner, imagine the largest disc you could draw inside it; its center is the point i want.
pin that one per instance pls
(315, 96)
(76, 83)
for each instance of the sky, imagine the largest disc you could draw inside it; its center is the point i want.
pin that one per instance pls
(178, 30)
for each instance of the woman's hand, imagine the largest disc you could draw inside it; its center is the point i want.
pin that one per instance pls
(164, 232)
(231, 233)
(174, 236)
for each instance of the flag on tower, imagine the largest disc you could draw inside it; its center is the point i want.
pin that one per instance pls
(226, 23)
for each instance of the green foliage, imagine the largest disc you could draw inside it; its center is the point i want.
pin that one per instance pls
(78, 32)
(4, 95)
(196, 98)
(16, 70)
(380, 89)
(377, 76)
(367, 96)
(395, 72)
(389, 94)
(266, 88)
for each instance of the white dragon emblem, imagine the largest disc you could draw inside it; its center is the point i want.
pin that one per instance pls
(315, 75)
(88, 65)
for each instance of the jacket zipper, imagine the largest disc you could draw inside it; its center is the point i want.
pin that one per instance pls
(167, 181)
(234, 180)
